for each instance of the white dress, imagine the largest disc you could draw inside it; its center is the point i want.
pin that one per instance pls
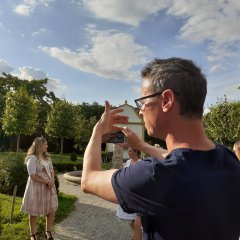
(120, 213)
(38, 198)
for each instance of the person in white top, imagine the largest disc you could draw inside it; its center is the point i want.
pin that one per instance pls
(133, 218)
(40, 197)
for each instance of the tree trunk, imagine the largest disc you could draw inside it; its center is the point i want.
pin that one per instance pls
(18, 141)
(61, 151)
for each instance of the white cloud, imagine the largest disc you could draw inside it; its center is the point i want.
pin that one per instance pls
(125, 11)
(214, 22)
(29, 73)
(111, 54)
(28, 6)
(40, 31)
(25, 10)
(5, 67)
(55, 85)
(216, 68)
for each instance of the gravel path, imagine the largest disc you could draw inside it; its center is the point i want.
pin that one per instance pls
(92, 219)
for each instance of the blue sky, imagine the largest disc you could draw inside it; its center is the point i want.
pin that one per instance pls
(93, 50)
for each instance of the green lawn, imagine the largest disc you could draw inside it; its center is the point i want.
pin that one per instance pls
(19, 230)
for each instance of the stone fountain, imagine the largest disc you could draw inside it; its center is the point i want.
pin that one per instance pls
(73, 177)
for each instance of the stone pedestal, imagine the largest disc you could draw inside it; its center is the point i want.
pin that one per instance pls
(117, 159)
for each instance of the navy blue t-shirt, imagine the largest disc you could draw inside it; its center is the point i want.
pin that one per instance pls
(190, 195)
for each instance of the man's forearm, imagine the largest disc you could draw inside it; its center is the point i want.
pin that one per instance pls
(92, 155)
(94, 180)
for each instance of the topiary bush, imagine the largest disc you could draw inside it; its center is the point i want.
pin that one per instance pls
(73, 157)
(13, 172)
(62, 167)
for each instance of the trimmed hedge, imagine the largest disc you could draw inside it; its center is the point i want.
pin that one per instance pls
(73, 157)
(67, 167)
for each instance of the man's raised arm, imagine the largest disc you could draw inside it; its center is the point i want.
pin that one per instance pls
(94, 180)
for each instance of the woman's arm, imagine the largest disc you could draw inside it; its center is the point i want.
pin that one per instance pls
(35, 177)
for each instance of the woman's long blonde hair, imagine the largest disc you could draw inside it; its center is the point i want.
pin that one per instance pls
(35, 148)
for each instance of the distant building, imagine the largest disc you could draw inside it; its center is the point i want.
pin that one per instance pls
(135, 123)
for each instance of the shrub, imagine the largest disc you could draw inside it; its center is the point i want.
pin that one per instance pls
(73, 157)
(13, 172)
(67, 167)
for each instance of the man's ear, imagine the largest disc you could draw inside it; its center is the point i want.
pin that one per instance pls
(168, 99)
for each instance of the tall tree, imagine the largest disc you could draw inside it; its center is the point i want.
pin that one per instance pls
(35, 88)
(222, 122)
(61, 121)
(91, 110)
(20, 114)
(83, 132)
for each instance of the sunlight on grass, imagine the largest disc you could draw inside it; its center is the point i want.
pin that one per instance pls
(19, 229)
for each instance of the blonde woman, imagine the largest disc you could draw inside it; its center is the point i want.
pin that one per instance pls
(40, 196)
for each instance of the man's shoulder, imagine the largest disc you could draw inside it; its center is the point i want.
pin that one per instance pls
(153, 163)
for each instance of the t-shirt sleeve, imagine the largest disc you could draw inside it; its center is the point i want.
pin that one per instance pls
(130, 185)
(31, 165)
(142, 187)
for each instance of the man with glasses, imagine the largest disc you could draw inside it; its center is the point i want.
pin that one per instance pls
(192, 193)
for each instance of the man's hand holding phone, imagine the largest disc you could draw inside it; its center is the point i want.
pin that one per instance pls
(114, 137)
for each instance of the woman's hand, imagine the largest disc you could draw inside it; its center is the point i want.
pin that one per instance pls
(50, 183)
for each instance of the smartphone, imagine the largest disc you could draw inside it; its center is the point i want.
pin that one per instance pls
(113, 137)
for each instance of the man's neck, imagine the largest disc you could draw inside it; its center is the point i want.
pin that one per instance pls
(189, 134)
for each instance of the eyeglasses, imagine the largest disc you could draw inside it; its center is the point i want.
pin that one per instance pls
(140, 104)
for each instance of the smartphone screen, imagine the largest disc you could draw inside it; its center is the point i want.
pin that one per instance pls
(113, 137)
